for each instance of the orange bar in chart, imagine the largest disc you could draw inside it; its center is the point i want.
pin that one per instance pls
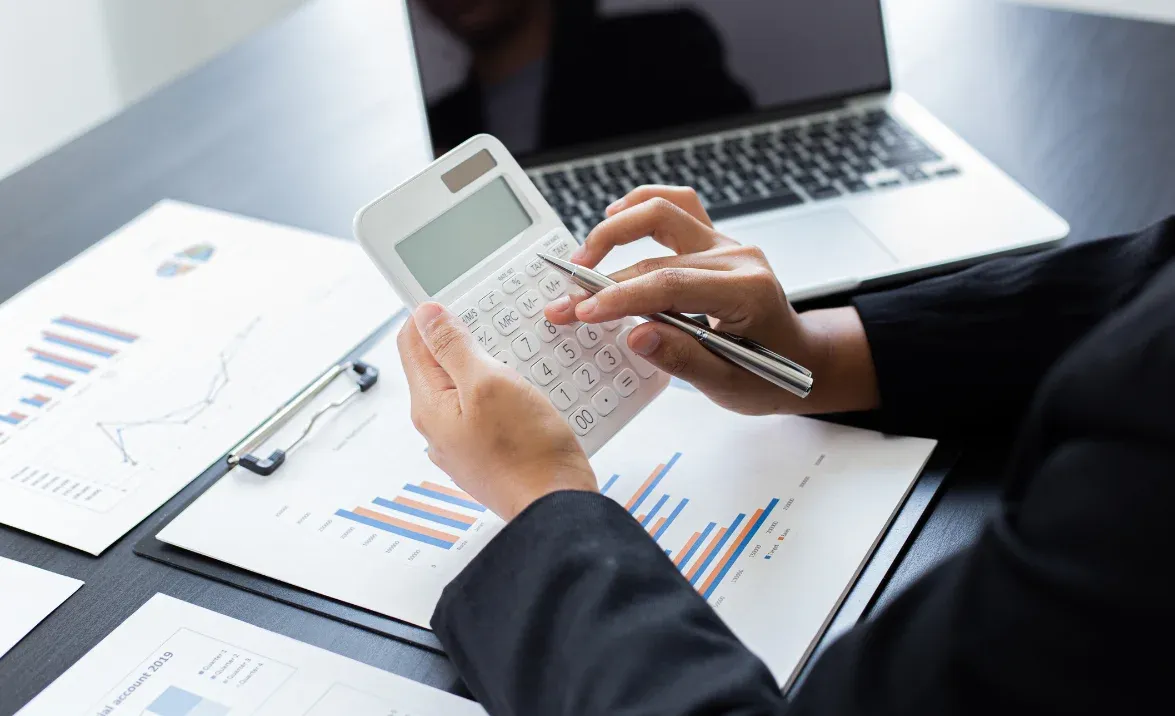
(657, 525)
(451, 492)
(372, 514)
(686, 549)
(644, 486)
(734, 545)
(706, 555)
(439, 512)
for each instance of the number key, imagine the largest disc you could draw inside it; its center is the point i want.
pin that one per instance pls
(544, 371)
(567, 353)
(582, 421)
(588, 335)
(564, 396)
(525, 346)
(586, 376)
(608, 359)
(547, 331)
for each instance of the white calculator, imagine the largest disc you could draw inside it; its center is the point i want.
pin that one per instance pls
(466, 232)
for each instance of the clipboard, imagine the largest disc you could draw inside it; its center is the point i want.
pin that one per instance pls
(859, 600)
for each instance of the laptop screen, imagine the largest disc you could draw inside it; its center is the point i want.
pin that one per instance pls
(552, 76)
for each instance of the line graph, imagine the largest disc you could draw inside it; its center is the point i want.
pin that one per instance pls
(116, 432)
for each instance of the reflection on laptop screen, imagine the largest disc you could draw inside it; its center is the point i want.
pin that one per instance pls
(545, 75)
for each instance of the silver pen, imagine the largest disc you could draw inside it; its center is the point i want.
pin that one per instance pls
(743, 352)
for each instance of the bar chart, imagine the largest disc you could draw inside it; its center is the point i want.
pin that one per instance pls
(69, 349)
(425, 512)
(707, 555)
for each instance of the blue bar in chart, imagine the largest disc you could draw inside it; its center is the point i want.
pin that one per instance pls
(611, 481)
(650, 484)
(741, 546)
(699, 571)
(672, 516)
(653, 512)
(178, 702)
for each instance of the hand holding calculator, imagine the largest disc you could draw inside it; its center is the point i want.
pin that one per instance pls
(467, 232)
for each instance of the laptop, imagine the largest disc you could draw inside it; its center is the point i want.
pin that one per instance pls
(782, 115)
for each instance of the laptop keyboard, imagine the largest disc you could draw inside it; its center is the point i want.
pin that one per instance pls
(768, 168)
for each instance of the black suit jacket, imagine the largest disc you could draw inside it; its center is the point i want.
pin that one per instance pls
(1063, 605)
(657, 70)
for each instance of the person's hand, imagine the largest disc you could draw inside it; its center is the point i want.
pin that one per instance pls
(733, 285)
(497, 436)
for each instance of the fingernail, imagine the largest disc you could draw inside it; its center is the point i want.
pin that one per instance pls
(560, 305)
(586, 307)
(615, 206)
(645, 342)
(579, 254)
(426, 314)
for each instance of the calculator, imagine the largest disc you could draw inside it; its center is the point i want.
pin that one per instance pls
(466, 232)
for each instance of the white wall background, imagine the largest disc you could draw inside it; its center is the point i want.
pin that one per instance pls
(66, 65)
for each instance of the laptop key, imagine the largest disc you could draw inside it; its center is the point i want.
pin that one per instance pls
(778, 201)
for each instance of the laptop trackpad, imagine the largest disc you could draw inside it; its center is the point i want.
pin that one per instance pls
(822, 248)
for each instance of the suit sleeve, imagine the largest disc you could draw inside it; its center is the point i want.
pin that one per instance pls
(963, 354)
(572, 609)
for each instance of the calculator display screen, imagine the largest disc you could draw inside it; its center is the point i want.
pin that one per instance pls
(460, 238)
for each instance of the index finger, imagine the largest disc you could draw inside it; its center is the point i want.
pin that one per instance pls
(668, 224)
(682, 196)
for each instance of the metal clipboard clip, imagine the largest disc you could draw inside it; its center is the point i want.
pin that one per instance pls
(365, 376)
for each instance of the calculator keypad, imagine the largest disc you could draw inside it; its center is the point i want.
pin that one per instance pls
(586, 370)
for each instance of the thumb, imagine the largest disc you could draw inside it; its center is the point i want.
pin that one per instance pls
(450, 343)
(679, 355)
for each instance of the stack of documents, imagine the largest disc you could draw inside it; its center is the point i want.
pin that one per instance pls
(130, 370)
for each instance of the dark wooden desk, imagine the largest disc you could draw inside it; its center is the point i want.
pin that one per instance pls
(309, 119)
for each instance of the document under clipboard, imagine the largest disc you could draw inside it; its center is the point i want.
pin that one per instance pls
(365, 377)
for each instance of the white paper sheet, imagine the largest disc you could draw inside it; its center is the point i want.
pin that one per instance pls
(131, 369)
(360, 514)
(1156, 10)
(28, 595)
(171, 658)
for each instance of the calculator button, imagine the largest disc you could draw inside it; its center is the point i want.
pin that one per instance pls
(564, 396)
(507, 321)
(642, 366)
(611, 325)
(486, 338)
(512, 284)
(490, 301)
(567, 353)
(530, 303)
(588, 335)
(626, 382)
(535, 267)
(605, 401)
(544, 371)
(608, 359)
(547, 331)
(586, 376)
(470, 316)
(525, 346)
(556, 245)
(582, 420)
(506, 359)
(553, 285)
